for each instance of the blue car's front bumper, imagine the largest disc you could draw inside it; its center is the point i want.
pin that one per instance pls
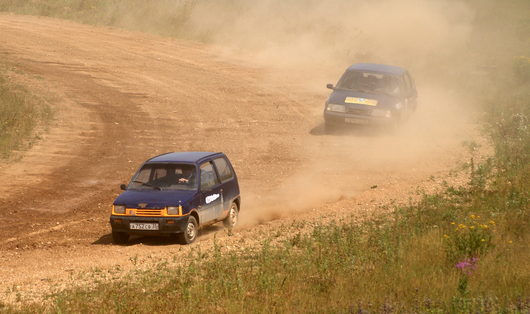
(340, 118)
(165, 224)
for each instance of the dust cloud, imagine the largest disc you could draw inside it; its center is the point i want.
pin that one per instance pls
(324, 34)
(305, 44)
(311, 43)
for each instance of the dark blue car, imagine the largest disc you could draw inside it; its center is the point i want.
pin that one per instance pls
(176, 194)
(370, 94)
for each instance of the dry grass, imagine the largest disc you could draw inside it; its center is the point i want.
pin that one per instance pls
(20, 113)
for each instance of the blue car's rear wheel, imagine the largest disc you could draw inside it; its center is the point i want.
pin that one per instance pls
(233, 214)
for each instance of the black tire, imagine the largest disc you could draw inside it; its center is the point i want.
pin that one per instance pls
(190, 234)
(233, 215)
(330, 128)
(119, 237)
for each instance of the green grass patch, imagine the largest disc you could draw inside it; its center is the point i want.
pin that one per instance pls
(164, 17)
(20, 114)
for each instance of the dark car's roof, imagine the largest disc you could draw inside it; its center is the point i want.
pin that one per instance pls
(181, 157)
(382, 68)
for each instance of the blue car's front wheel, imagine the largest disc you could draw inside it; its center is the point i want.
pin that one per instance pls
(119, 237)
(190, 231)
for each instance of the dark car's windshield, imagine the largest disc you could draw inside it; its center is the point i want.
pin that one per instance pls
(369, 82)
(165, 177)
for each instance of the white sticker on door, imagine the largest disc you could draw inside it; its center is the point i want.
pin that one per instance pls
(211, 198)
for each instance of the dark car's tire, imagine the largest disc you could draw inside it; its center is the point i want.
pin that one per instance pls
(119, 237)
(190, 232)
(330, 128)
(233, 215)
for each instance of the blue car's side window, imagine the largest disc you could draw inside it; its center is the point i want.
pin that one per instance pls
(223, 169)
(208, 176)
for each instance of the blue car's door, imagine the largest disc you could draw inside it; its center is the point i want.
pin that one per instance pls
(411, 93)
(229, 186)
(211, 193)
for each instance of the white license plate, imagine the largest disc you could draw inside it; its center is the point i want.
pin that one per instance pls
(355, 121)
(143, 226)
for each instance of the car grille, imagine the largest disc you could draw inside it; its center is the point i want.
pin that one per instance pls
(148, 212)
(360, 112)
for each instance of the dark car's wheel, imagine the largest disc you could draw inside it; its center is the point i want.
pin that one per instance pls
(330, 128)
(233, 214)
(119, 237)
(190, 233)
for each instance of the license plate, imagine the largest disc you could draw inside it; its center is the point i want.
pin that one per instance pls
(143, 226)
(361, 101)
(355, 121)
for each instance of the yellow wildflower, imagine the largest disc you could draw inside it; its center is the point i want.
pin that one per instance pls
(492, 222)
(472, 227)
(484, 226)
(453, 222)
(482, 240)
(472, 216)
(510, 242)
(446, 236)
(462, 226)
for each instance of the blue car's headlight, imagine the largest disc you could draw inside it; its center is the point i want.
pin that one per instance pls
(174, 210)
(119, 209)
(336, 108)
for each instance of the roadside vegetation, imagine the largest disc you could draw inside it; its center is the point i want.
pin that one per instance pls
(463, 250)
(20, 114)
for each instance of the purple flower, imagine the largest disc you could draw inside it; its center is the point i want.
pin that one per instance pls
(467, 266)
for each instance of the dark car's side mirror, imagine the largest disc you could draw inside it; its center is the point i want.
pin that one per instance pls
(123, 187)
(330, 86)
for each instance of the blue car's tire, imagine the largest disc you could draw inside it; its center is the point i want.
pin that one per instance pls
(190, 233)
(119, 237)
(233, 215)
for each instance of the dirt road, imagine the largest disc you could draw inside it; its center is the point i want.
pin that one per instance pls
(120, 97)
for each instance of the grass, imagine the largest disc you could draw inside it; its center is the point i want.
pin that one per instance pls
(164, 17)
(20, 114)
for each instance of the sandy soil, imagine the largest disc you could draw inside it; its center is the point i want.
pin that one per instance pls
(120, 97)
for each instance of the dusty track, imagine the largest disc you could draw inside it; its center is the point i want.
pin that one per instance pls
(120, 97)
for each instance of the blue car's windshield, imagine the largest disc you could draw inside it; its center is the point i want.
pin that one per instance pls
(369, 82)
(165, 177)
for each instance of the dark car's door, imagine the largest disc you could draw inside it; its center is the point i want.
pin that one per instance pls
(211, 193)
(229, 186)
(411, 96)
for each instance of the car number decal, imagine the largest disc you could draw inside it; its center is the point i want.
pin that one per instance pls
(361, 101)
(211, 198)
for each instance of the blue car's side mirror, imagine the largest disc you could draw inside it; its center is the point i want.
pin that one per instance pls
(330, 86)
(123, 187)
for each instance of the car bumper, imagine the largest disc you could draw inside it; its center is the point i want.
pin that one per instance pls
(339, 118)
(166, 225)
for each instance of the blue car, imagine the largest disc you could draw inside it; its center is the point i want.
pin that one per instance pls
(369, 94)
(176, 194)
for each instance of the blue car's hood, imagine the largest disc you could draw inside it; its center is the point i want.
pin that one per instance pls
(153, 198)
(338, 96)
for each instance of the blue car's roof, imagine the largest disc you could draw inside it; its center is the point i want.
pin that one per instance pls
(191, 157)
(382, 68)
